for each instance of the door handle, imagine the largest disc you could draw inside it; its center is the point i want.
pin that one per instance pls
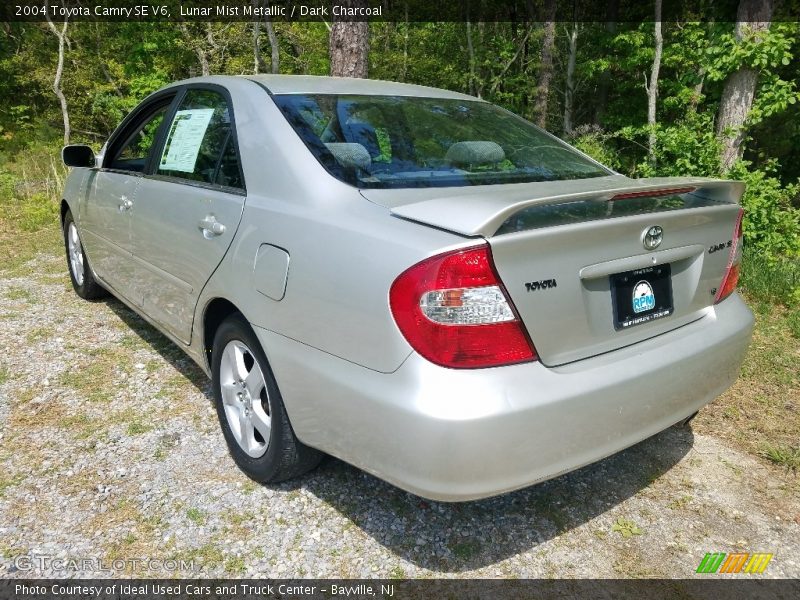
(211, 226)
(125, 204)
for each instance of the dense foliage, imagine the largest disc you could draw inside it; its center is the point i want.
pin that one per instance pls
(109, 67)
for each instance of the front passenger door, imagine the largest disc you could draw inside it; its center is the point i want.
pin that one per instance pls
(187, 209)
(105, 216)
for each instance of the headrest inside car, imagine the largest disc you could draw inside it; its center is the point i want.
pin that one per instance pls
(475, 153)
(350, 155)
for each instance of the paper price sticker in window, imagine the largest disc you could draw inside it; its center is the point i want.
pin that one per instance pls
(185, 137)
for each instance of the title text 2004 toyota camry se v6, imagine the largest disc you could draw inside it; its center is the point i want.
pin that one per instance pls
(410, 279)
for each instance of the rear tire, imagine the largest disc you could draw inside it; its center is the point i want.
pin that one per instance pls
(250, 408)
(80, 272)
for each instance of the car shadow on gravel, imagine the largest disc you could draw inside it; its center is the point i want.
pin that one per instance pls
(457, 537)
(161, 344)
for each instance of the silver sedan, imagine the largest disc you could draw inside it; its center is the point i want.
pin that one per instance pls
(413, 280)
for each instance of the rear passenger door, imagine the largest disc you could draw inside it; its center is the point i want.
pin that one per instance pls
(187, 208)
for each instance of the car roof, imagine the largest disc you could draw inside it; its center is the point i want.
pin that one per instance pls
(311, 84)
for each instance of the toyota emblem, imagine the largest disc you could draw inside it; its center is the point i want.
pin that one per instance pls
(652, 237)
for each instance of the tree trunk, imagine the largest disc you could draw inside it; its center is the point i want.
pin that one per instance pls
(753, 17)
(569, 89)
(205, 69)
(697, 91)
(546, 66)
(472, 87)
(200, 48)
(256, 44)
(652, 86)
(349, 46)
(275, 59)
(62, 39)
(404, 71)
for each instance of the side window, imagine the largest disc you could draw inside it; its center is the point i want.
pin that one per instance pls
(135, 148)
(200, 145)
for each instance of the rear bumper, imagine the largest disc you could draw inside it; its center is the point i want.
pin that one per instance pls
(458, 435)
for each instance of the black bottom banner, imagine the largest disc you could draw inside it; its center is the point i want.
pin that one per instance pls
(313, 589)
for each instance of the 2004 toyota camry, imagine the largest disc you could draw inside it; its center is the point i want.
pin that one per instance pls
(410, 279)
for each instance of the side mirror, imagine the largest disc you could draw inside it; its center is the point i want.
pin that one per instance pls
(78, 156)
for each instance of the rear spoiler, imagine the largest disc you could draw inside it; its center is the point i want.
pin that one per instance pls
(483, 214)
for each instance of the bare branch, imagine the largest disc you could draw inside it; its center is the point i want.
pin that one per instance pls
(511, 61)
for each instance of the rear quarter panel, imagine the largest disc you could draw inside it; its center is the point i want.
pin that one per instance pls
(344, 251)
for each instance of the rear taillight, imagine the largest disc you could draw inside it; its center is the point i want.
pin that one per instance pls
(731, 278)
(454, 311)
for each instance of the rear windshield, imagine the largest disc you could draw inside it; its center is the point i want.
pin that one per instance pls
(404, 142)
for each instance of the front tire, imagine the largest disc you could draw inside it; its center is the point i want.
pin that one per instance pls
(80, 273)
(250, 409)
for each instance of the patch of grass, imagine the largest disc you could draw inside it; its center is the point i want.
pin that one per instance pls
(397, 573)
(762, 408)
(38, 334)
(680, 503)
(28, 416)
(240, 525)
(4, 375)
(96, 378)
(137, 427)
(465, 550)
(771, 280)
(176, 388)
(626, 528)
(731, 412)
(131, 341)
(399, 505)
(786, 456)
(209, 555)
(545, 507)
(18, 293)
(195, 515)
(239, 519)
(793, 321)
(235, 566)
(7, 482)
(19, 248)
(737, 470)
(632, 565)
(80, 424)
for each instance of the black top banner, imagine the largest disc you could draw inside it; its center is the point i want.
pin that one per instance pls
(398, 10)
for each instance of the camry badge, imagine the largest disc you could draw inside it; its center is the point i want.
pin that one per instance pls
(652, 236)
(643, 297)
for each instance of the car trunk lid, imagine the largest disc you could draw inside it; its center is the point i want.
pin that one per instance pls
(573, 257)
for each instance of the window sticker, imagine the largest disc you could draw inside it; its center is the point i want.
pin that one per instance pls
(185, 136)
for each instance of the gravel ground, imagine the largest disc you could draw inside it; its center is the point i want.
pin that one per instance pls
(110, 449)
